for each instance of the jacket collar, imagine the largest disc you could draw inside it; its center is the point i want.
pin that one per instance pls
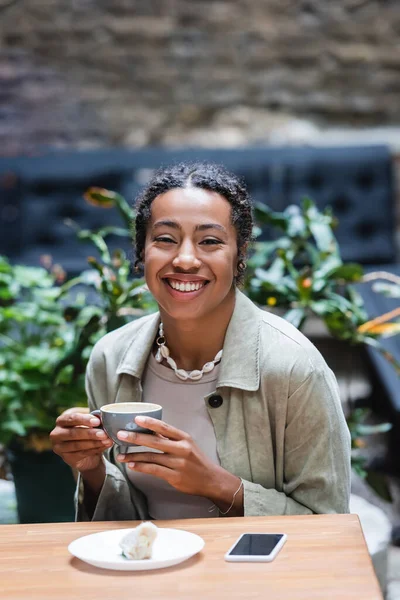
(240, 361)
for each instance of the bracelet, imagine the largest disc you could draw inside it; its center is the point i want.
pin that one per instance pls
(232, 503)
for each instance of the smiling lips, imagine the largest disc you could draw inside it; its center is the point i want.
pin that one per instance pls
(186, 286)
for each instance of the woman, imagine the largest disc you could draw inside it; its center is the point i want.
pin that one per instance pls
(257, 430)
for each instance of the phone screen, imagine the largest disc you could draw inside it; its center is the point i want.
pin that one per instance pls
(256, 544)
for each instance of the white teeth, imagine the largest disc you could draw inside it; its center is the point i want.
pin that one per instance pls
(185, 287)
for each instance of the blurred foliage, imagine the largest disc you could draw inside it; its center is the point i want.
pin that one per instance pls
(34, 339)
(116, 294)
(302, 273)
(48, 327)
(359, 427)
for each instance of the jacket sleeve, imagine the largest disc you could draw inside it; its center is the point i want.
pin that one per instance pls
(317, 447)
(118, 500)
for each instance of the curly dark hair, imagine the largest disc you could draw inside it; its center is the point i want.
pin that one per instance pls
(208, 176)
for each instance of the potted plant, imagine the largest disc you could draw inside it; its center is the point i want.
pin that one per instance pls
(47, 328)
(34, 338)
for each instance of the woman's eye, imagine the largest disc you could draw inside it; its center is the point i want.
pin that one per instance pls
(164, 239)
(211, 242)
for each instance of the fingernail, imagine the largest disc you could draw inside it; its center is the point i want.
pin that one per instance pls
(123, 435)
(100, 434)
(141, 419)
(95, 421)
(120, 457)
(107, 442)
(131, 465)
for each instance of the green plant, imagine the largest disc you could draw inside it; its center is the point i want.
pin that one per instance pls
(34, 339)
(302, 273)
(360, 429)
(117, 295)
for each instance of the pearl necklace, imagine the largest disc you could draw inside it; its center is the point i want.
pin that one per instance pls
(163, 352)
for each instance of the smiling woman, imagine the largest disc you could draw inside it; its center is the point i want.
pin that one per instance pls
(252, 422)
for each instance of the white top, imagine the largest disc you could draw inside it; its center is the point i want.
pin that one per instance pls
(183, 407)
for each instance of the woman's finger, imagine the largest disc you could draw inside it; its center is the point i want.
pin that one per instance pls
(75, 419)
(162, 428)
(64, 434)
(166, 460)
(151, 441)
(79, 446)
(153, 469)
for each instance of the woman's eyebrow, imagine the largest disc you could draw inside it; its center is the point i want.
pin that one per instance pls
(166, 223)
(205, 226)
(175, 225)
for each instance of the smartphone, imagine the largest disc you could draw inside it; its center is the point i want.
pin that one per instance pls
(256, 547)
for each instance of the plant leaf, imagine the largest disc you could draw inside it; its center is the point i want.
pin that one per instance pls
(106, 199)
(323, 236)
(372, 429)
(347, 272)
(265, 216)
(32, 277)
(274, 273)
(385, 330)
(14, 426)
(119, 231)
(100, 197)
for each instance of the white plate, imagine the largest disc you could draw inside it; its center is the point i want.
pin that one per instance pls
(171, 547)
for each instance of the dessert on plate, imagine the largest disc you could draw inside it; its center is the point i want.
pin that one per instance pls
(138, 543)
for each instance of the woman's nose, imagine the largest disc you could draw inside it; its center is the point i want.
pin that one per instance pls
(186, 257)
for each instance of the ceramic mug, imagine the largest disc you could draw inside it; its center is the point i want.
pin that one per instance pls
(121, 415)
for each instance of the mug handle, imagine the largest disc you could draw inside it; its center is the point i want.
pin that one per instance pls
(97, 413)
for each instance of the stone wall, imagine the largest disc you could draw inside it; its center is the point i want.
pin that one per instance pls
(90, 73)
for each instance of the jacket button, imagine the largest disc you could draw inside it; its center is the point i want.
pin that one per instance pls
(215, 401)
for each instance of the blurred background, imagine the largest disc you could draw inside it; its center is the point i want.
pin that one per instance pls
(89, 74)
(299, 98)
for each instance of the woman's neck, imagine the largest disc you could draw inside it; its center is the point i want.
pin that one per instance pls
(192, 343)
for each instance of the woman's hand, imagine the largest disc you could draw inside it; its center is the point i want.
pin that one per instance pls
(78, 442)
(182, 464)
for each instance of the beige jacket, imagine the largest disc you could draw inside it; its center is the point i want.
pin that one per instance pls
(280, 426)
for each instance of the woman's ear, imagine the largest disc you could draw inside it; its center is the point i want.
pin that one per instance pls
(241, 261)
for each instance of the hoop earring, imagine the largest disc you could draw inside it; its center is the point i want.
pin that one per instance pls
(241, 266)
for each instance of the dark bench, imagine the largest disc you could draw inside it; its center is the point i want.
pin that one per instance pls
(38, 193)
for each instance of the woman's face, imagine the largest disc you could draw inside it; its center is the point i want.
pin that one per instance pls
(190, 256)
